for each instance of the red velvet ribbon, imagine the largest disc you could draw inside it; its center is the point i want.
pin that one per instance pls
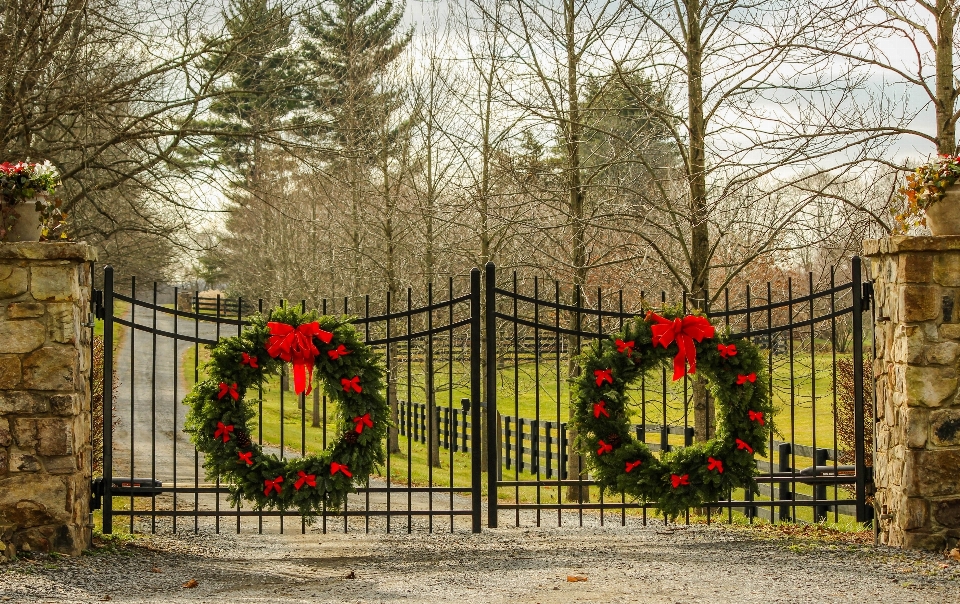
(361, 421)
(742, 445)
(272, 484)
(714, 464)
(338, 352)
(743, 379)
(631, 465)
(339, 467)
(756, 416)
(246, 457)
(246, 359)
(223, 431)
(604, 447)
(677, 481)
(295, 345)
(727, 350)
(603, 375)
(625, 347)
(308, 479)
(684, 332)
(600, 409)
(352, 384)
(225, 390)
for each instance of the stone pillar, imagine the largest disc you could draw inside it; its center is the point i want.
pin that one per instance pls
(45, 397)
(917, 462)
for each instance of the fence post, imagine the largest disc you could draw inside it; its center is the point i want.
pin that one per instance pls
(688, 436)
(819, 491)
(107, 506)
(493, 452)
(784, 466)
(476, 494)
(858, 419)
(562, 470)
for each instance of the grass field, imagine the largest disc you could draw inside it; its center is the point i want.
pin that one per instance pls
(804, 403)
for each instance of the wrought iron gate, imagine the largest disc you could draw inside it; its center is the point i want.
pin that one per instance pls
(438, 357)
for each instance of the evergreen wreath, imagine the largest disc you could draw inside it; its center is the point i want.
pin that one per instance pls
(352, 377)
(687, 477)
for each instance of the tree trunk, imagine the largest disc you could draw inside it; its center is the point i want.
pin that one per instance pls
(946, 91)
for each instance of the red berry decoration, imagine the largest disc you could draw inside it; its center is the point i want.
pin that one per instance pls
(685, 477)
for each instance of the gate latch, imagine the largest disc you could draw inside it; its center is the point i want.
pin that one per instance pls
(866, 295)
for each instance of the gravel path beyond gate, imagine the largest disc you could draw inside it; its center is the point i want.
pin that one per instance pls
(696, 564)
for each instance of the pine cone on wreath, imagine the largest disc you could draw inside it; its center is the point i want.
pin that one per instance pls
(243, 440)
(614, 440)
(351, 436)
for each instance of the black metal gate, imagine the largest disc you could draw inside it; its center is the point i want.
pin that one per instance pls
(438, 357)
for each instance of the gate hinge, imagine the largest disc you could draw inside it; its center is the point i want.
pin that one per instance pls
(866, 295)
(97, 303)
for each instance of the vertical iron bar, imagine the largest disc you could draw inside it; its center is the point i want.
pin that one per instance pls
(493, 456)
(858, 419)
(107, 506)
(476, 476)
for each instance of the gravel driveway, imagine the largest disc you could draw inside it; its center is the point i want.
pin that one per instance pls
(632, 564)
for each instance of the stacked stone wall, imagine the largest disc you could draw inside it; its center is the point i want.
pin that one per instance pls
(917, 462)
(44, 397)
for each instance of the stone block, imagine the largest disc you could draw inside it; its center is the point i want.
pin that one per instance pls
(931, 473)
(65, 464)
(4, 462)
(914, 423)
(919, 303)
(950, 331)
(24, 310)
(23, 461)
(913, 513)
(50, 368)
(925, 386)
(13, 281)
(6, 438)
(65, 404)
(916, 268)
(923, 540)
(56, 437)
(19, 337)
(36, 500)
(54, 283)
(25, 433)
(20, 402)
(946, 270)
(9, 371)
(62, 326)
(947, 512)
(945, 428)
(944, 353)
(908, 344)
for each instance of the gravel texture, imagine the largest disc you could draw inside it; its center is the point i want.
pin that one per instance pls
(621, 564)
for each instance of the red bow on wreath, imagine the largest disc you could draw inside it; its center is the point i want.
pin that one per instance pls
(727, 350)
(338, 352)
(631, 465)
(600, 409)
(625, 347)
(308, 479)
(743, 379)
(677, 481)
(246, 458)
(295, 345)
(272, 484)
(714, 464)
(604, 447)
(352, 384)
(361, 421)
(684, 331)
(223, 431)
(339, 467)
(246, 359)
(603, 375)
(756, 416)
(742, 445)
(228, 389)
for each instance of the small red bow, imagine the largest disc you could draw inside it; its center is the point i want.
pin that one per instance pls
(727, 350)
(272, 484)
(308, 479)
(603, 375)
(361, 421)
(604, 447)
(246, 359)
(223, 431)
(714, 464)
(225, 390)
(632, 464)
(246, 458)
(743, 379)
(756, 416)
(338, 352)
(680, 480)
(295, 345)
(743, 445)
(339, 467)
(684, 331)
(351, 384)
(625, 347)
(600, 409)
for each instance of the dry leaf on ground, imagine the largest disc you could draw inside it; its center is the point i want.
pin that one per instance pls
(191, 583)
(955, 554)
(575, 578)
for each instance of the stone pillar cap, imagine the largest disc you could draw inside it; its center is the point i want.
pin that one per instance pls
(48, 251)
